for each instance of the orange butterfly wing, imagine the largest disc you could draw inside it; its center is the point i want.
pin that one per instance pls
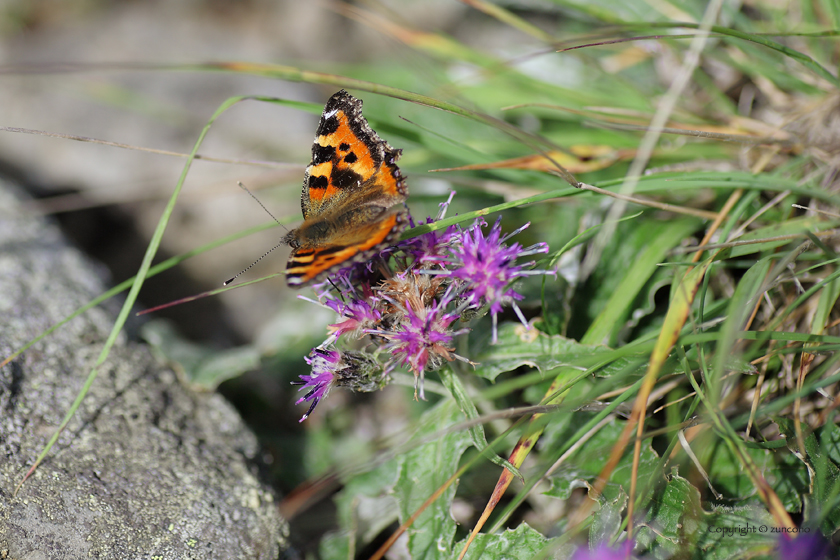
(350, 190)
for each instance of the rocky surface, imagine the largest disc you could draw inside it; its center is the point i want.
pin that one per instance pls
(145, 469)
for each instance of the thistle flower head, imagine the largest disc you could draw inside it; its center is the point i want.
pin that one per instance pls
(488, 267)
(356, 316)
(321, 380)
(354, 370)
(405, 304)
(423, 337)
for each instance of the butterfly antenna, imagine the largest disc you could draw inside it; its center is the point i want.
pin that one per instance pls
(244, 188)
(250, 266)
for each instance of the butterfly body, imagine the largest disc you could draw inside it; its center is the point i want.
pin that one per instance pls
(353, 196)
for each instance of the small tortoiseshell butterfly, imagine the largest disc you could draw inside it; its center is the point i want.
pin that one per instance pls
(353, 196)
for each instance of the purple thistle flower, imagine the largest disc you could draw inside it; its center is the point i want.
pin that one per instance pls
(424, 335)
(804, 547)
(408, 304)
(356, 316)
(488, 267)
(322, 378)
(604, 552)
(430, 248)
(330, 368)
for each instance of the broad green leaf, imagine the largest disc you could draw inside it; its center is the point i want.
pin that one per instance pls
(522, 543)
(822, 449)
(607, 521)
(421, 472)
(676, 526)
(671, 519)
(587, 463)
(517, 347)
(736, 531)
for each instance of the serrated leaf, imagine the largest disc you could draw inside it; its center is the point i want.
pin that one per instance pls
(676, 524)
(522, 543)
(517, 347)
(590, 460)
(823, 471)
(421, 472)
(734, 532)
(606, 522)
(671, 519)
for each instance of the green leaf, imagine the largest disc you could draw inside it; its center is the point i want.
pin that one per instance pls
(740, 306)
(453, 384)
(517, 347)
(201, 367)
(421, 472)
(739, 531)
(592, 458)
(336, 546)
(675, 524)
(669, 518)
(522, 543)
(822, 450)
(825, 305)
(787, 479)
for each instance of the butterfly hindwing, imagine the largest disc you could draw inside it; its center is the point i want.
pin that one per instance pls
(311, 262)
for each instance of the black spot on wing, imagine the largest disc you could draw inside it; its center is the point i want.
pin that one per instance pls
(343, 147)
(331, 250)
(322, 154)
(343, 178)
(328, 126)
(350, 158)
(318, 182)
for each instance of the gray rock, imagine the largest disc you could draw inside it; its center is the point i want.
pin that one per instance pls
(146, 469)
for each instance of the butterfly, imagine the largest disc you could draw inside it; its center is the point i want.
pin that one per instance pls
(353, 198)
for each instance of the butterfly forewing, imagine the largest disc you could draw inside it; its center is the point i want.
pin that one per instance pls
(349, 190)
